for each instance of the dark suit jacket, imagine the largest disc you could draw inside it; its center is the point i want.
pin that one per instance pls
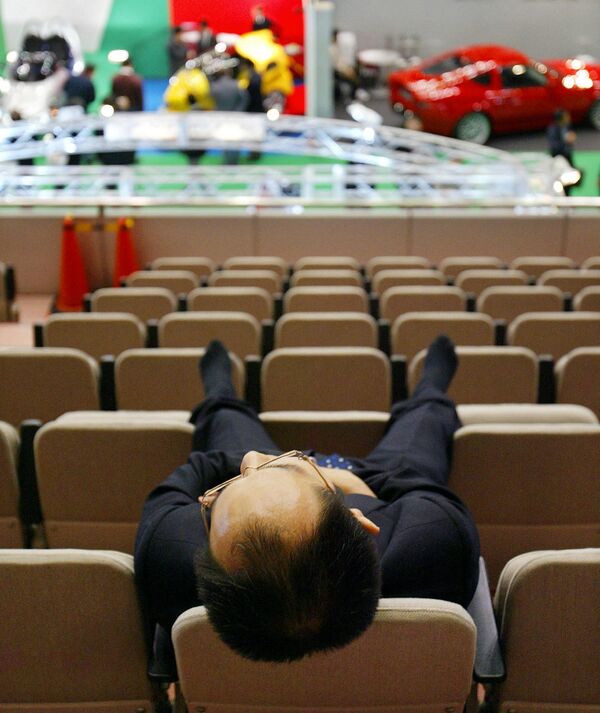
(128, 84)
(428, 544)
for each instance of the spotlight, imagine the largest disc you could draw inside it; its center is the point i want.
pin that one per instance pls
(12, 56)
(273, 114)
(220, 47)
(118, 56)
(106, 110)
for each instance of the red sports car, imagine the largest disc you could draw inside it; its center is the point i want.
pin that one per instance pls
(474, 91)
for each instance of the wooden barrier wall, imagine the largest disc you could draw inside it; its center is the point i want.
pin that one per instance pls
(31, 241)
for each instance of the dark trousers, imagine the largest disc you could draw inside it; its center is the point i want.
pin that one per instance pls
(418, 439)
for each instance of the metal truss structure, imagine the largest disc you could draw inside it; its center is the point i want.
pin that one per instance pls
(354, 164)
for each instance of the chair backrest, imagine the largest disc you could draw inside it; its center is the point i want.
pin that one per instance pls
(326, 329)
(452, 266)
(326, 262)
(43, 382)
(316, 278)
(385, 279)
(10, 528)
(417, 655)
(258, 262)
(178, 281)
(529, 487)
(587, 299)
(144, 302)
(547, 610)
(164, 379)
(578, 378)
(535, 266)
(571, 280)
(555, 333)
(252, 300)
(265, 279)
(93, 476)
(353, 433)
(200, 266)
(326, 299)
(240, 332)
(72, 621)
(95, 334)
(326, 379)
(471, 414)
(395, 262)
(476, 281)
(508, 302)
(488, 375)
(414, 331)
(399, 300)
(591, 263)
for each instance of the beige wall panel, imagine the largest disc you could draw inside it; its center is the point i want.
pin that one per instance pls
(360, 234)
(443, 233)
(582, 235)
(215, 236)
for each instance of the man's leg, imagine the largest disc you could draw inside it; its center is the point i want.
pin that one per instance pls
(223, 421)
(419, 437)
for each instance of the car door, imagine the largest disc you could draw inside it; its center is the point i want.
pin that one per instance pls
(523, 100)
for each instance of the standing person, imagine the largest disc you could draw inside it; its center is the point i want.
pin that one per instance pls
(79, 89)
(291, 552)
(177, 51)
(126, 83)
(206, 38)
(228, 96)
(259, 20)
(253, 81)
(561, 139)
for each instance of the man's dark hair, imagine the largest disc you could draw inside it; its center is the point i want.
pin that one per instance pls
(292, 600)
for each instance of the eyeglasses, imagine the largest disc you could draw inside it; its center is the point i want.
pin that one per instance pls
(210, 496)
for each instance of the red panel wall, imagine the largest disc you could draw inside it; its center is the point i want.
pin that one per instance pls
(234, 16)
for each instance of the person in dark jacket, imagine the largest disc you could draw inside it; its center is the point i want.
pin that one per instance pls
(126, 83)
(290, 553)
(79, 88)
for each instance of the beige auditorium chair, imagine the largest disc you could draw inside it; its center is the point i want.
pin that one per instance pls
(318, 278)
(488, 375)
(326, 262)
(95, 334)
(43, 382)
(476, 281)
(202, 267)
(549, 622)
(452, 266)
(473, 414)
(265, 279)
(395, 262)
(385, 279)
(578, 378)
(326, 379)
(416, 656)
(398, 300)
(353, 433)
(592, 263)
(587, 299)
(240, 332)
(509, 301)
(94, 475)
(326, 329)
(10, 527)
(258, 262)
(529, 487)
(571, 281)
(325, 299)
(144, 302)
(178, 281)
(164, 379)
(535, 266)
(555, 333)
(252, 300)
(414, 331)
(72, 633)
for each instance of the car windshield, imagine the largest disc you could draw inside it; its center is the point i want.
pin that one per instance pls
(446, 64)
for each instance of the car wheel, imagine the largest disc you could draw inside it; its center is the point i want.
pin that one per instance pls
(474, 127)
(594, 114)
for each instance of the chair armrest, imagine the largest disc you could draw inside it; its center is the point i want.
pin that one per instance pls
(399, 385)
(30, 508)
(38, 334)
(489, 663)
(383, 326)
(252, 395)
(108, 394)
(268, 336)
(162, 667)
(546, 381)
